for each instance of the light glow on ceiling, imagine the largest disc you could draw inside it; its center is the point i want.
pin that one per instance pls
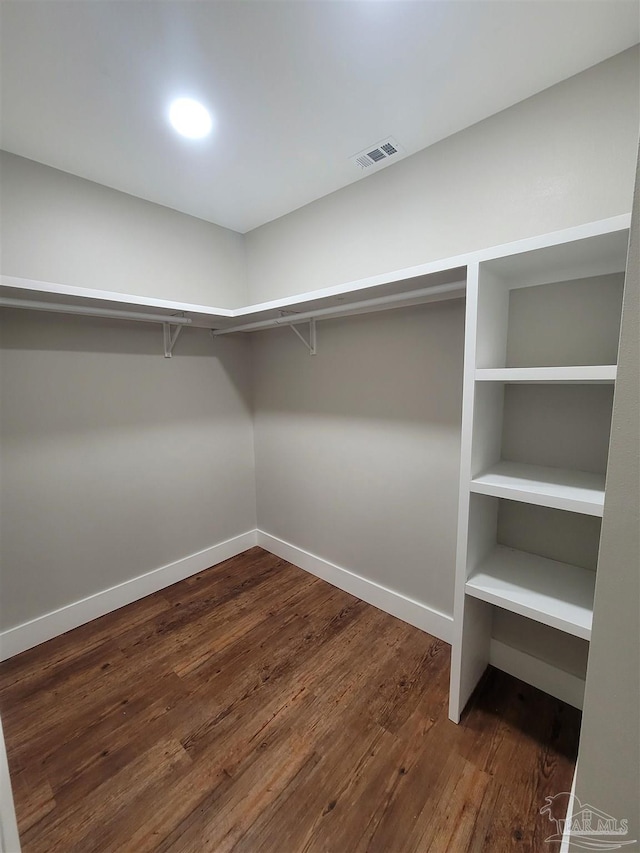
(190, 118)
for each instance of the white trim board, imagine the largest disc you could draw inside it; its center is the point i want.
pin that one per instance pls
(43, 628)
(546, 677)
(419, 615)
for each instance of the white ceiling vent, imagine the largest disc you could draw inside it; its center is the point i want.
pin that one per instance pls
(378, 154)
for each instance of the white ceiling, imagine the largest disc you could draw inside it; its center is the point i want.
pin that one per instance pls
(296, 86)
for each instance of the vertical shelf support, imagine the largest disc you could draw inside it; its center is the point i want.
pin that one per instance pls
(311, 343)
(169, 338)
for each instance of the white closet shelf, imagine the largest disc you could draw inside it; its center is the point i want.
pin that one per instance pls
(410, 285)
(413, 286)
(597, 374)
(575, 491)
(556, 594)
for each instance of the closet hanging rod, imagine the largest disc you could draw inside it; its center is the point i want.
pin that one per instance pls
(87, 311)
(457, 288)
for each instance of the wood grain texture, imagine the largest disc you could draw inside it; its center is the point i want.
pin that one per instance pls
(254, 708)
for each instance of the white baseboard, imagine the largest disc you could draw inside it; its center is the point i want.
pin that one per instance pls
(569, 688)
(36, 631)
(426, 618)
(556, 682)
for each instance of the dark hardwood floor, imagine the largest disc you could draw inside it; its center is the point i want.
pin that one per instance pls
(254, 708)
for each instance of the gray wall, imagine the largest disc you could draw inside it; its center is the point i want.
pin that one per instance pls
(567, 322)
(63, 229)
(114, 460)
(357, 448)
(560, 158)
(609, 759)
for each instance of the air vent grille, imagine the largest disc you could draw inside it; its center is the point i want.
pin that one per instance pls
(377, 154)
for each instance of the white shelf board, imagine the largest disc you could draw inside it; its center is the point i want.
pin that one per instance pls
(598, 374)
(403, 281)
(409, 288)
(575, 491)
(31, 291)
(556, 594)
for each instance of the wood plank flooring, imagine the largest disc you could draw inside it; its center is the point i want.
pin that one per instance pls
(256, 709)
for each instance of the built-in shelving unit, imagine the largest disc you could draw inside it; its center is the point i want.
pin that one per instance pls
(540, 324)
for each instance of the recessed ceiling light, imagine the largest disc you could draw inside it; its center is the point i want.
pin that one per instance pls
(190, 118)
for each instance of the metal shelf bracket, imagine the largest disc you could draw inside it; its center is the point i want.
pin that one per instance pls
(311, 343)
(169, 337)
